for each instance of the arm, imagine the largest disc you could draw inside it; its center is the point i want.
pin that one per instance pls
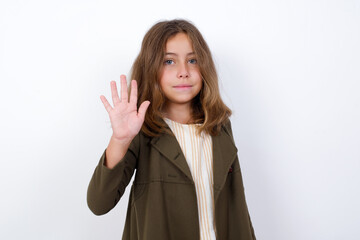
(107, 185)
(237, 170)
(118, 162)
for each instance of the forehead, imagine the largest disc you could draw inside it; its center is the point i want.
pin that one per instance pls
(179, 43)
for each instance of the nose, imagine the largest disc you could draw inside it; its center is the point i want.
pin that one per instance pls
(183, 71)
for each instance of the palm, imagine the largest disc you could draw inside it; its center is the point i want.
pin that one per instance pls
(126, 120)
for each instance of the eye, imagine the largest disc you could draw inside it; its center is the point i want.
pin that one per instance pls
(193, 61)
(168, 62)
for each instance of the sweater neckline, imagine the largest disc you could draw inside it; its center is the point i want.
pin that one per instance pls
(167, 120)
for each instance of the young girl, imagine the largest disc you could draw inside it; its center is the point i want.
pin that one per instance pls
(188, 183)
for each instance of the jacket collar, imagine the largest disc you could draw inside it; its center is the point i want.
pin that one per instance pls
(224, 154)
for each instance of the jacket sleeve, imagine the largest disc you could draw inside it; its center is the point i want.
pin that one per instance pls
(107, 186)
(237, 168)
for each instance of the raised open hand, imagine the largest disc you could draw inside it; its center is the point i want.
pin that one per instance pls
(126, 120)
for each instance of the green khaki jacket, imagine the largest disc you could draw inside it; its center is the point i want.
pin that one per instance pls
(162, 203)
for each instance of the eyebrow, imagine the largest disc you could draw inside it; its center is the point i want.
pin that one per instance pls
(171, 53)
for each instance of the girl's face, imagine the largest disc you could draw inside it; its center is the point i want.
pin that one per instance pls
(180, 79)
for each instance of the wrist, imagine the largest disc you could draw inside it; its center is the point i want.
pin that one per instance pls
(123, 141)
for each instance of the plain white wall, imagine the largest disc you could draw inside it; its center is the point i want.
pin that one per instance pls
(289, 70)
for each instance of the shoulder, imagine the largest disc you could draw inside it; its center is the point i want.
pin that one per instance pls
(226, 126)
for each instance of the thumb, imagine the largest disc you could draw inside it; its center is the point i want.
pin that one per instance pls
(142, 109)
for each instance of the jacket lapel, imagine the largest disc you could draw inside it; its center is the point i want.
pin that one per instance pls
(224, 154)
(168, 146)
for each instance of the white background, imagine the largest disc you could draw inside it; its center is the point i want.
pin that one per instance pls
(289, 70)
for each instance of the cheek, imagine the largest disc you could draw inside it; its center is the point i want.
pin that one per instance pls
(166, 72)
(162, 76)
(165, 80)
(196, 74)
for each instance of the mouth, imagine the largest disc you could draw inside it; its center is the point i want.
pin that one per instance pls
(183, 86)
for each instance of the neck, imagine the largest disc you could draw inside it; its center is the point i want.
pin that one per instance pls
(179, 113)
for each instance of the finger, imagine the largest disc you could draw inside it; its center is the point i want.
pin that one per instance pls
(106, 103)
(124, 94)
(142, 109)
(114, 93)
(133, 93)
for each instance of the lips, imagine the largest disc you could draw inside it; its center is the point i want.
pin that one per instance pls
(183, 86)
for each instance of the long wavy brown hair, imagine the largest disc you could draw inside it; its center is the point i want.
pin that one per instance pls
(208, 109)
